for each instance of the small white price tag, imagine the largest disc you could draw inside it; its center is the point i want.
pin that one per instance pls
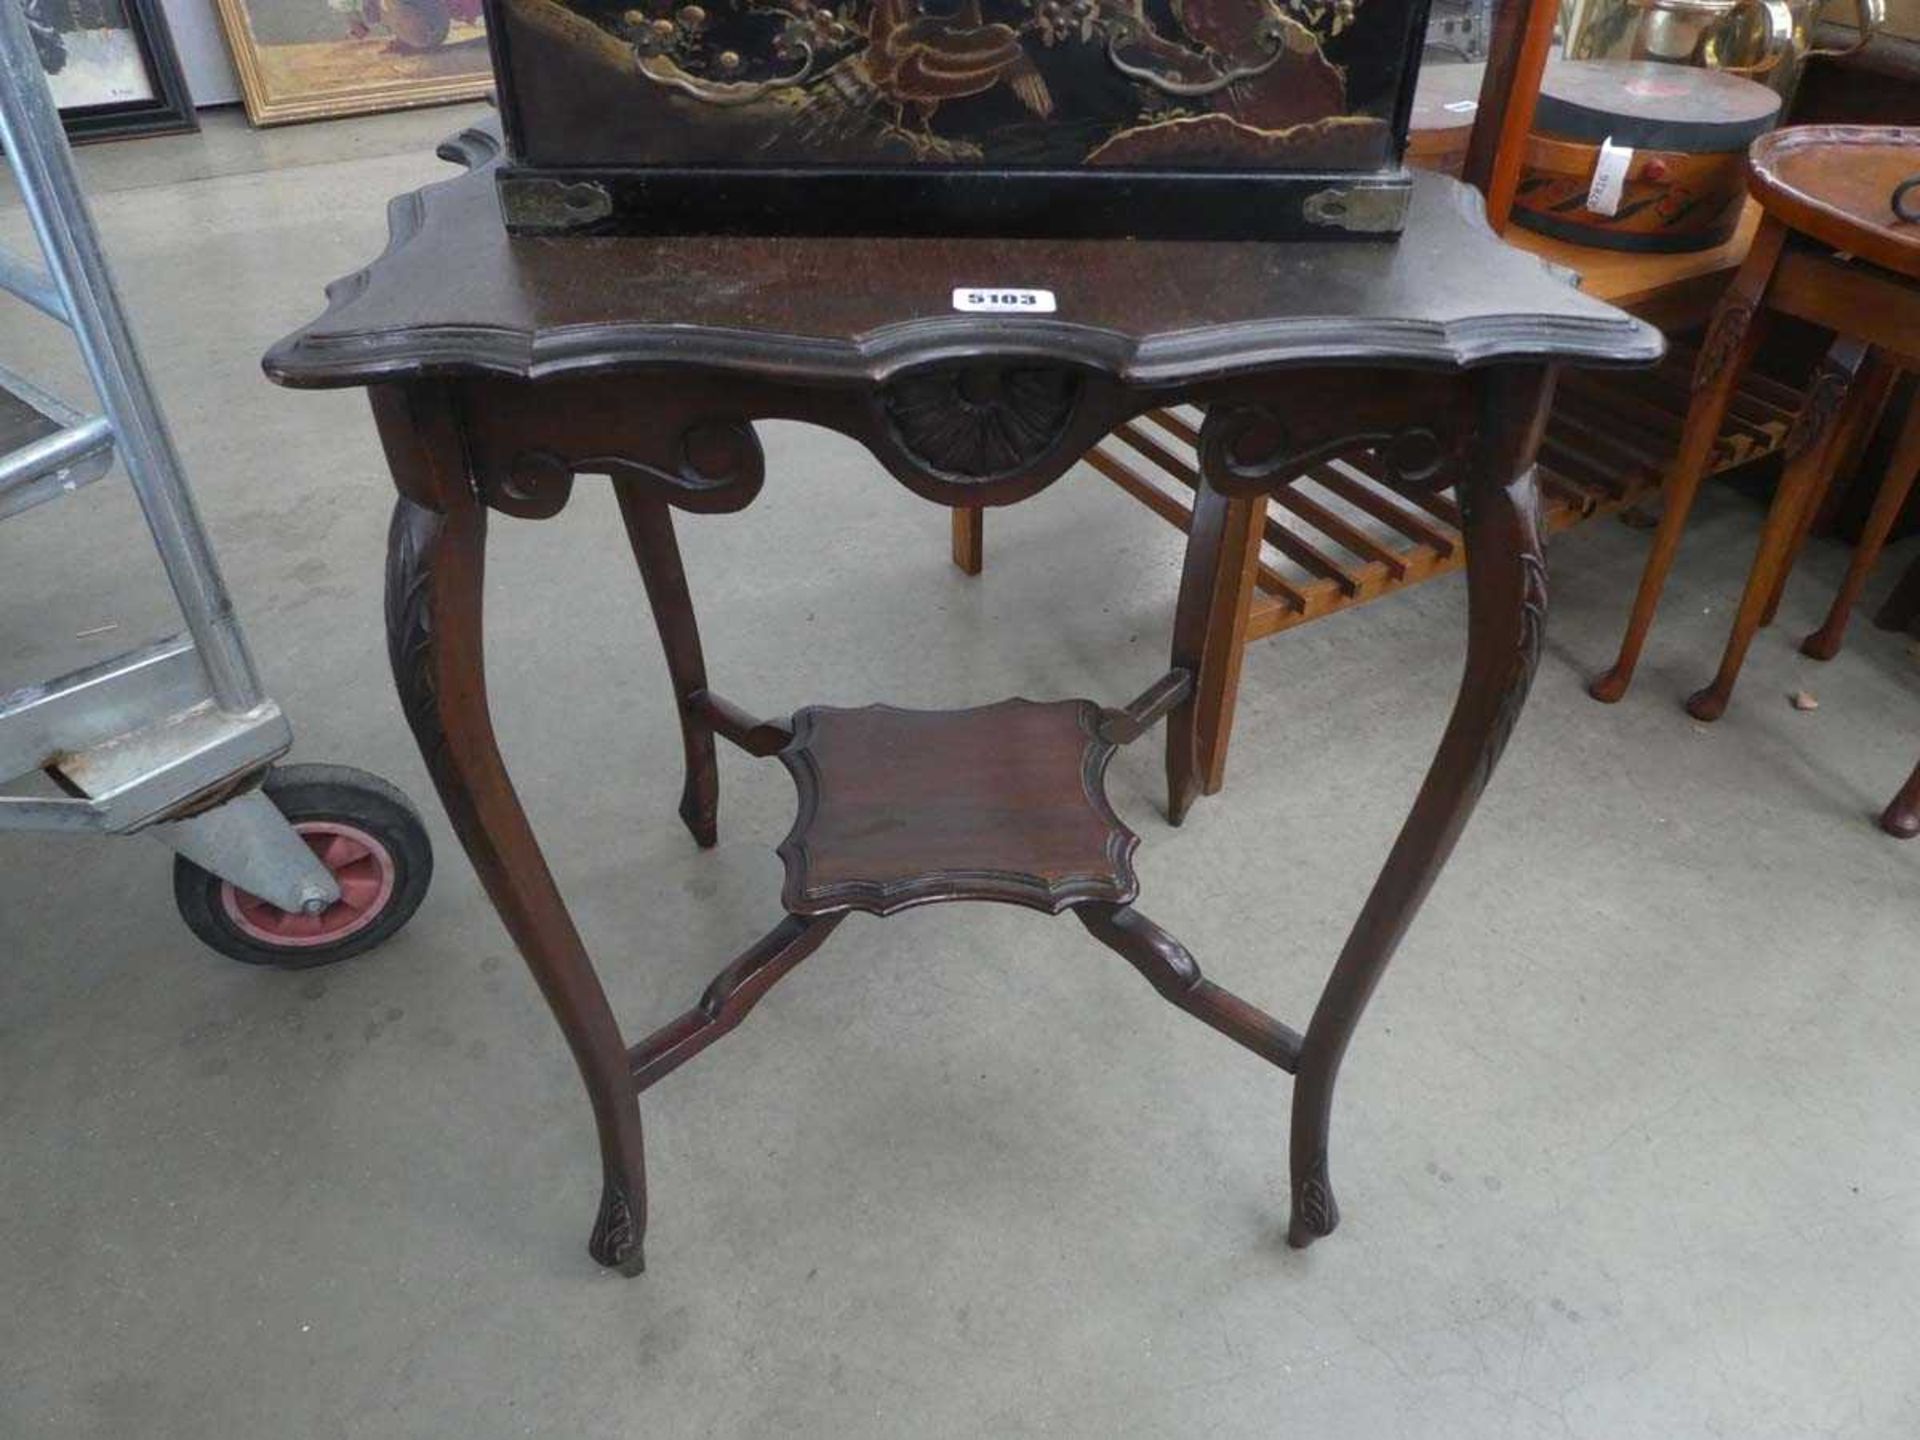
(1609, 177)
(1002, 300)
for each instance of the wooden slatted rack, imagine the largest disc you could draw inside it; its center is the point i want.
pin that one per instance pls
(1338, 537)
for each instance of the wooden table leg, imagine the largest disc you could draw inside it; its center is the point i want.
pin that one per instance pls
(1732, 337)
(1868, 399)
(1217, 585)
(649, 523)
(1829, 407)
(1506, 617)
(435, 563)
(1888, 502)
(1902, 815)
(1219, 684)
(970, 538)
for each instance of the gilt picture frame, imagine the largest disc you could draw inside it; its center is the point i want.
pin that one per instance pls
(317, 59)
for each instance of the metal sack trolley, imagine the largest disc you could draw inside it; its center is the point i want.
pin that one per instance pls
(291, 865)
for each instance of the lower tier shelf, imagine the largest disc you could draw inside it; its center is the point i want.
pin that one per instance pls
(1003, 802)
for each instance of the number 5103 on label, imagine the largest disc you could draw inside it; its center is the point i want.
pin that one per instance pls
(1002, 300)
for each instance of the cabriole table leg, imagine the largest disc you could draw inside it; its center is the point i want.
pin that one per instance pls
(1902, 470)
(435, 572)
(1506, 613)
(1809, 445)
(649, 522)
(1733, 335)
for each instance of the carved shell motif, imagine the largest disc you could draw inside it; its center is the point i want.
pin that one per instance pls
(981, 422)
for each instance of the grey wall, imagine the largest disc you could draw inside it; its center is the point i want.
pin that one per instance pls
(203, 51)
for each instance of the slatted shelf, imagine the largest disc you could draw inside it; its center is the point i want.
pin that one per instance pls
(1339, 537)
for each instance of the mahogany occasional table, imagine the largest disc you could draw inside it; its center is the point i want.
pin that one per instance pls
(502, 369)
(1831, 251)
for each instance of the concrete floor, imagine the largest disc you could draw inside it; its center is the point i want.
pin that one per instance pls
(1626, 1148)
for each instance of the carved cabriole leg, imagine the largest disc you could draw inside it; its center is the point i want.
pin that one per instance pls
(1732, 337)
(435, 562)
(1506, 613)
(1902, 815)
(1809, 447)
(1209, 635)
(1888, 502)
(649, 522)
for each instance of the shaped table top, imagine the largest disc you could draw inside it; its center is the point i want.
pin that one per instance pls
(455, 295)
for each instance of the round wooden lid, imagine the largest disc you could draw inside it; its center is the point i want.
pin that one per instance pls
(1651, 106)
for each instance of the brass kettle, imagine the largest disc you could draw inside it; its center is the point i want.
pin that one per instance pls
(1768, 40)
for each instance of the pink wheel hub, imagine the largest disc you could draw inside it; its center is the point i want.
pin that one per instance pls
(361, 866)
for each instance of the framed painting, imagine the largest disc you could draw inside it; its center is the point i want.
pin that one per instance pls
(310, 59)
(111, 66)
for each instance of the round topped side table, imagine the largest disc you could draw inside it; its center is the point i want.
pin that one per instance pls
(1831, 251)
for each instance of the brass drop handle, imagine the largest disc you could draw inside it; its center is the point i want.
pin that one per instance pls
(1872, 15)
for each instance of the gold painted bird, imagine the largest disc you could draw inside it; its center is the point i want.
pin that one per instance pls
(921, 61)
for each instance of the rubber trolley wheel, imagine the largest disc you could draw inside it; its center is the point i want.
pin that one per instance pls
(364, 830)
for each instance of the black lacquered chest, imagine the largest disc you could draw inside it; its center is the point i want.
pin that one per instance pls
(1157, 118)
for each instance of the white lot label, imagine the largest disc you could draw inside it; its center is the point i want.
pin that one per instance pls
(1609, 177)
(1002, 300)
